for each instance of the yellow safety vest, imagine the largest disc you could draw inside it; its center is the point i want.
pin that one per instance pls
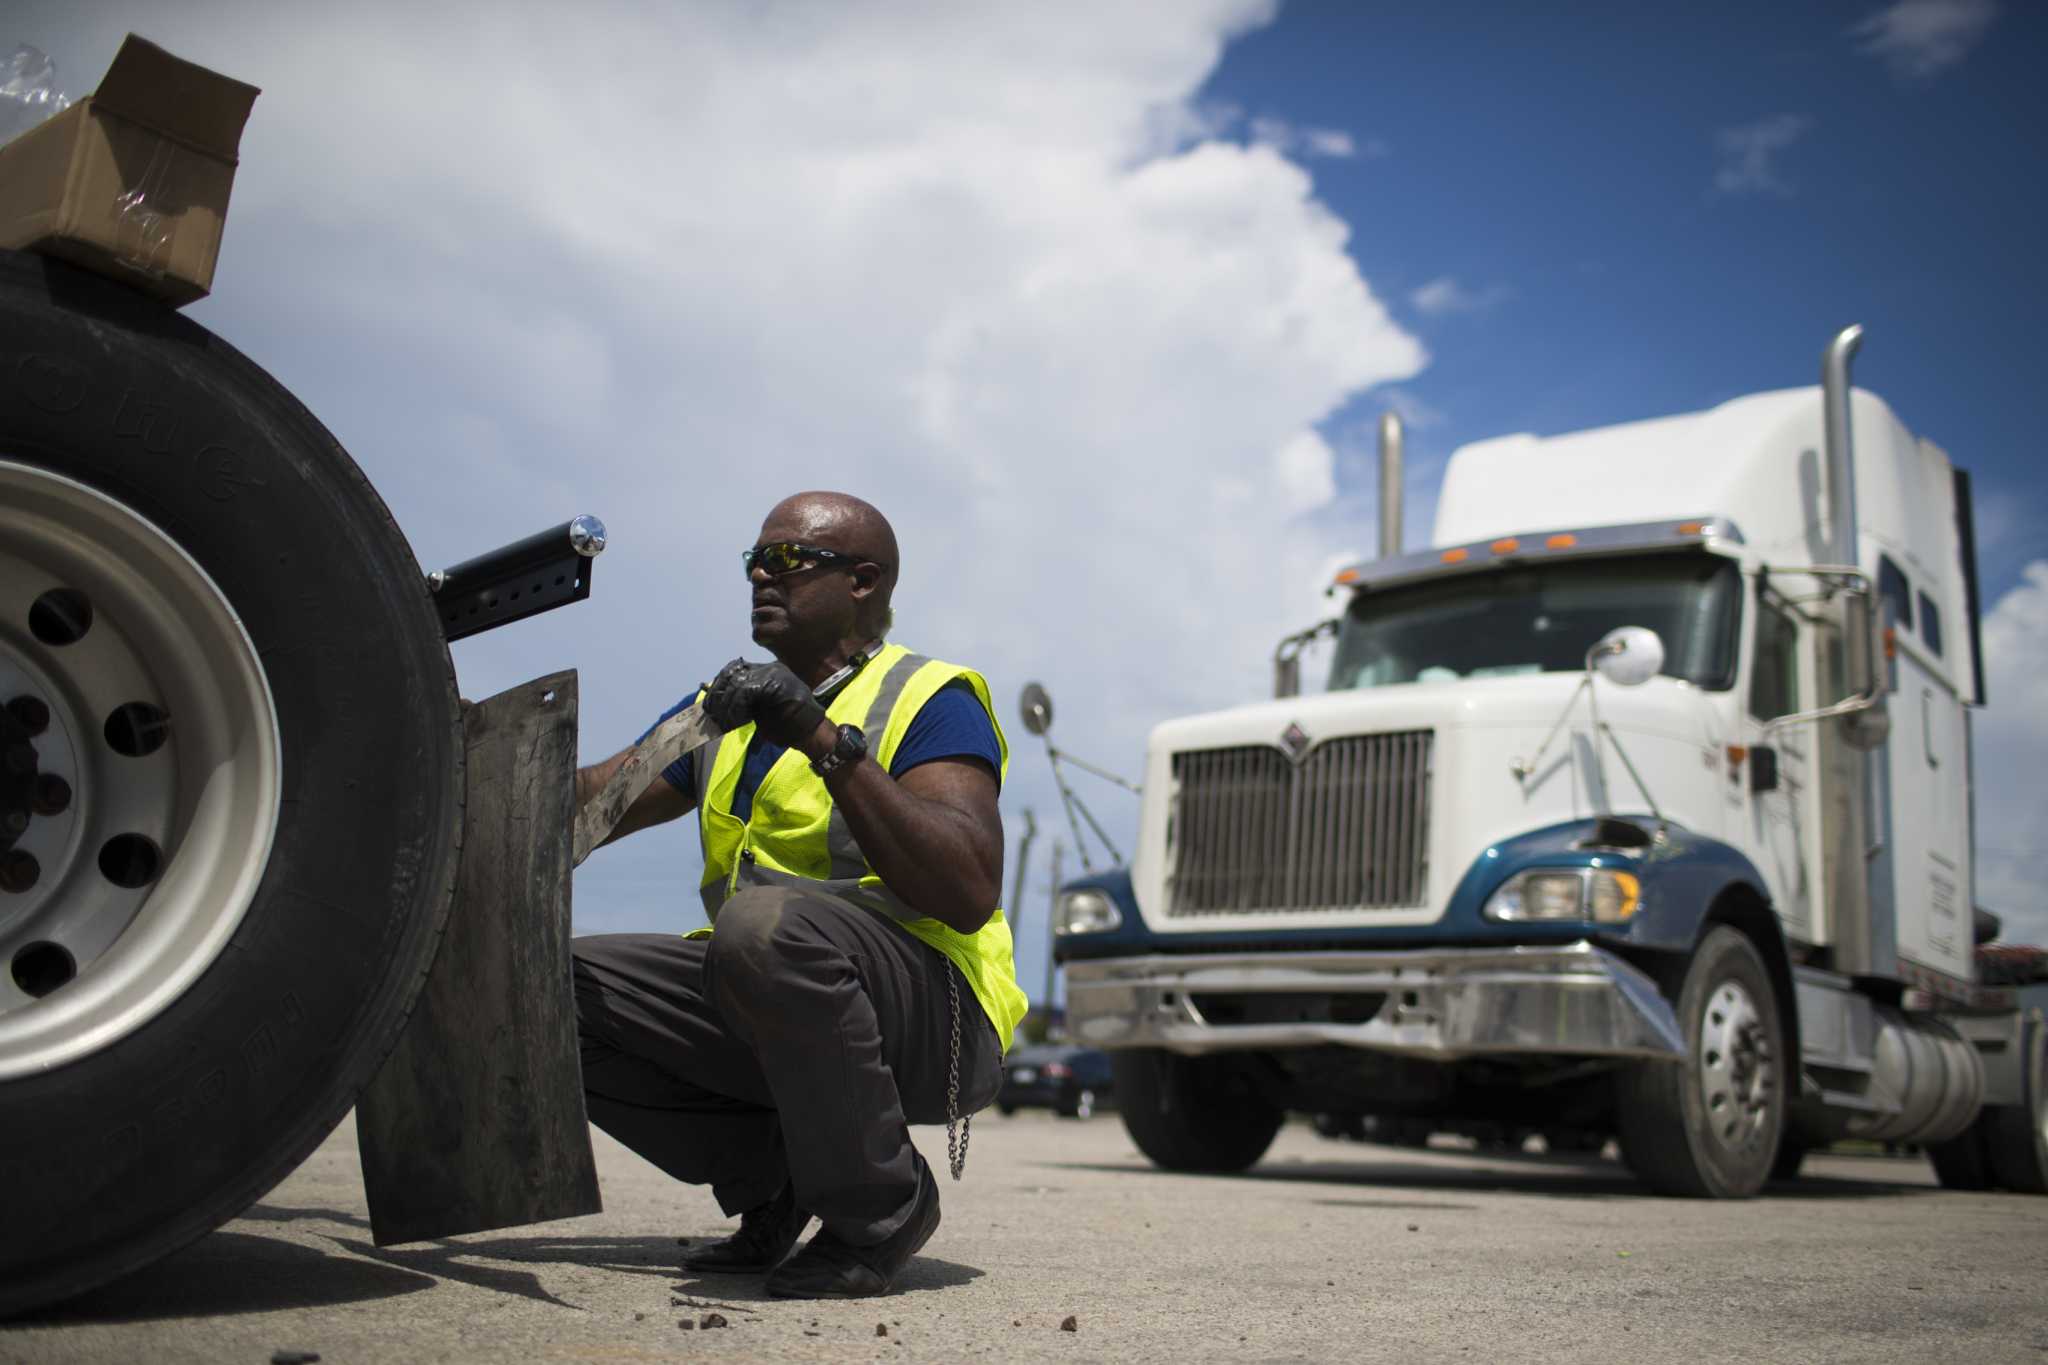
(795, 832)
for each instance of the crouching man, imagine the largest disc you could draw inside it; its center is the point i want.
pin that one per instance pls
(858, 975)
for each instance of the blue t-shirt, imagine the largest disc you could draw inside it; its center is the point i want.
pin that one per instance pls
(951, 725)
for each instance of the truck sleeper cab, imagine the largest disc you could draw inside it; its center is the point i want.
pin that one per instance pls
(1521, 864)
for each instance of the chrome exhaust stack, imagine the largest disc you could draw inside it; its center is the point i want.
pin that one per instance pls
(1390, 485)
(1841, 454)
(1851, 820)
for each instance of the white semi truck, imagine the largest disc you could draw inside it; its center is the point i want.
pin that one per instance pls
(1638, 803)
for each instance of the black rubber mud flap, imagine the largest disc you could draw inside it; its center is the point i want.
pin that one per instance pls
(477, 1120)
(137, 1145)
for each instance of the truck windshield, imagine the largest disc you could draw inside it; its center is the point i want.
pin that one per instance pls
(1542, 619)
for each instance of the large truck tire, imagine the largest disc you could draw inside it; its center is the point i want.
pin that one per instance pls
(2016, 1135)
(1791, 1156)
(1961, 1163)
(1708, 1127)
(1191, 1113)
(230, 781)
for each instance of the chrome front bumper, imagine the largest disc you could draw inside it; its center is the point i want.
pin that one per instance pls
(1570, 1000)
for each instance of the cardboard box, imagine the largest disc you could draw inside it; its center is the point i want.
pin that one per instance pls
(132, 182)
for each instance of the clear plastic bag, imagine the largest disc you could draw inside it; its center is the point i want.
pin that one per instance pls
(28, 92)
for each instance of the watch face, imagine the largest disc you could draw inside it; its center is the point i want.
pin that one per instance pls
(850, 745)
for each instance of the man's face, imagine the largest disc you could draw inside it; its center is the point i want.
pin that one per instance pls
(808, 609)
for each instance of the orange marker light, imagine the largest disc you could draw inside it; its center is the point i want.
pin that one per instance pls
(1507, 546)
(1560, 542)
(1456, 556)
(1891, 642)
(1348, 575)
(1691, 528)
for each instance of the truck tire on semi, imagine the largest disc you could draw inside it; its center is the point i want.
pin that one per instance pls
(1713, 1124)
(233, 790)
(1193, 1113)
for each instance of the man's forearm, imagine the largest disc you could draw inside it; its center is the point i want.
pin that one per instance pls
(938, 856)
(659, 803)
(590, 781)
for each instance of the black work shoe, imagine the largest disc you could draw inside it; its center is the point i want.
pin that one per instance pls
(766, 1234)
(828, 1268)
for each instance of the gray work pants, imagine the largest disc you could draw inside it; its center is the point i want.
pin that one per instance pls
(796, 1043)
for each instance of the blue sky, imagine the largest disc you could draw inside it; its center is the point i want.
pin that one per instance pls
(1649, 209)
(1099, 303)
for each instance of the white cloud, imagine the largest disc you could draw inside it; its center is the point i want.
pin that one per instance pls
(1333, 142)
(666, 264)
(1176, 125)
(1304, 473)
(1748, 154)
(2011, 754)
(1292, 140)
(1918, 39)
(1444, 296)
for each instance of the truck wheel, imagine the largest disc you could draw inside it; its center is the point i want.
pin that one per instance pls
(2016, 1135)
(1191, 1113)
(1961, 1162)
(233, 781)
(1709, 1126)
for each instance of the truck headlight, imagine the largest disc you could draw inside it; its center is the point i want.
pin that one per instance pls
(1601, 894)
(1086, 912)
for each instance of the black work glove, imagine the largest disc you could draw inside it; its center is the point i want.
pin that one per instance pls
(770, 695)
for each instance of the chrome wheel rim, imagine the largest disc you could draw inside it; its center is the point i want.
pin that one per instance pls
(127, 678)
(1736, 1067)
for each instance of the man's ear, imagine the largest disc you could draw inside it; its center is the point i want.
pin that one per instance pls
(866, 578)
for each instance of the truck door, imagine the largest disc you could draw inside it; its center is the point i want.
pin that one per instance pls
(1779, 814)
(1926, 841)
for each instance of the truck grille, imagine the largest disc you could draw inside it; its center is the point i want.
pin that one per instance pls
(1346, 829)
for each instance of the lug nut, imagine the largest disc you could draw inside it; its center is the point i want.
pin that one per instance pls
(21, 759)
(53, 794)
(15, 820)
(32, 712)
(18, 872)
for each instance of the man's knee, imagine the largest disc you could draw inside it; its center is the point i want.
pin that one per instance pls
(765, 933)
(746, 943)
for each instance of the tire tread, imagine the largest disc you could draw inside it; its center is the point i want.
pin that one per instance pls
(125, 327)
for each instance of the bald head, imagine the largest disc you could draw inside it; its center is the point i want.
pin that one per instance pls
(836, 608)
(842, 522)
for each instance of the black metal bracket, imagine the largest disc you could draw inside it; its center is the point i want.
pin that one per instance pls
(549, 569)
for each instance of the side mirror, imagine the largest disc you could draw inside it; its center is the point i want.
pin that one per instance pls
(1287, 657)
(1763, 769)
(1627, 656)
(1863, 643)
(1036, 704)
(1287, 675)
(1867, 670)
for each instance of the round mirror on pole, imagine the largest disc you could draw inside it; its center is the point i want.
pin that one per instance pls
(1036, 704)
(1628, 655)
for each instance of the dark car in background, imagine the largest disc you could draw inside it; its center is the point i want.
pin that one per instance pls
(1071, 1080)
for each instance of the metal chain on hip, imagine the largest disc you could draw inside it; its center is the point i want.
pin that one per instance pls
(956, 1151)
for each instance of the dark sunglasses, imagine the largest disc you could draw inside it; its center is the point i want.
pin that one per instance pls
(787, 557)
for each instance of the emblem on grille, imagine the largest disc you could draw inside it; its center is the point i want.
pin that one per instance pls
(1295, 740)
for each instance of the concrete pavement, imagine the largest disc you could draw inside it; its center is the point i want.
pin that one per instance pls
(1326, 1250)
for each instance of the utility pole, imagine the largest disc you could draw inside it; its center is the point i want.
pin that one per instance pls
(1052, 914)
(1023, 864)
